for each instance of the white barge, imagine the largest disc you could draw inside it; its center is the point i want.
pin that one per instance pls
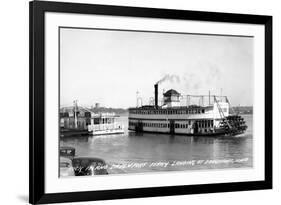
(192, 119)
(79, 121)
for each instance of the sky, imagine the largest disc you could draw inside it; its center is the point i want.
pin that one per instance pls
(110, 67)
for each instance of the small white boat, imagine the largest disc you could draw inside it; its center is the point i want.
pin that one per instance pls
(104, 123)
(81, 121)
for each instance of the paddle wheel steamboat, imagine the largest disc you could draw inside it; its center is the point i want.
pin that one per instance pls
(210, 116)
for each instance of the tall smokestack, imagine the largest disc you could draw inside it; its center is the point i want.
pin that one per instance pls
(156, 95)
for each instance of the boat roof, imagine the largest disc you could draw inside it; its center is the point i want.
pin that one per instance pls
(171, 92)
(67, 147)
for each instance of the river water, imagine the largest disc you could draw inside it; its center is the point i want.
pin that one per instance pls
(137, 153)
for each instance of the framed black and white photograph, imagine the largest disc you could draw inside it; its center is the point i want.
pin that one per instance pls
(130, 102)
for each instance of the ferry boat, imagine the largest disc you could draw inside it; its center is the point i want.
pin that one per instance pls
(211, 118)
(104, 123)
(79, 121)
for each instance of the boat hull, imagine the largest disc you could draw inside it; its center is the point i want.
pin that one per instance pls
(73, 132)
(207, 134)
(107, 132)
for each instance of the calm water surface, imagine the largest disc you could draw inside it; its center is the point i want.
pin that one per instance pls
(136, 153)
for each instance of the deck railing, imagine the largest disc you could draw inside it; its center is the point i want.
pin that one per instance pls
(101, 127)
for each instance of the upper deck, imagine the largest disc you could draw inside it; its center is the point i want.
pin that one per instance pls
(209, 112)
(189, 107)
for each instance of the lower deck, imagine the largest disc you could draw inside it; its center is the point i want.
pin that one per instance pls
(192, 127)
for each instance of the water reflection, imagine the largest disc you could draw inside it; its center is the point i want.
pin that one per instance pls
(132, 147)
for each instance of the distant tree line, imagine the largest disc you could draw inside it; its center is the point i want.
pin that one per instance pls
(117, 111)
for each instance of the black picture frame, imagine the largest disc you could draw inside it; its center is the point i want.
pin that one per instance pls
(37, 10)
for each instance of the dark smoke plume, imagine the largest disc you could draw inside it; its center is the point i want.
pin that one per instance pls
(170, 78)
